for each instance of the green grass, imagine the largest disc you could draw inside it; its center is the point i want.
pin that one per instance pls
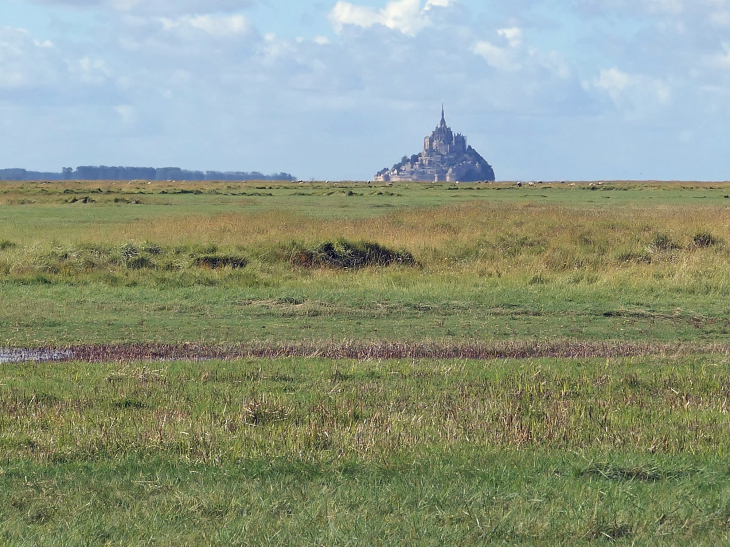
(385, 308)
(219, 264)
(315, 451)
(308, 451)
(466, 497)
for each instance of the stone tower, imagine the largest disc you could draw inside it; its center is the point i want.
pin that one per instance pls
(443, 141)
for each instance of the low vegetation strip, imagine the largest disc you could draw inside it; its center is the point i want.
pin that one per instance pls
(571, 349)
(318, 409)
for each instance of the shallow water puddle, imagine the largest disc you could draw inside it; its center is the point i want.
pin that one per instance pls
(25, 355)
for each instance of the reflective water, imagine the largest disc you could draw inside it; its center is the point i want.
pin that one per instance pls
(24, 355)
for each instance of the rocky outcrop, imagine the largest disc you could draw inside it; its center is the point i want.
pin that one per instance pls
(470, 167)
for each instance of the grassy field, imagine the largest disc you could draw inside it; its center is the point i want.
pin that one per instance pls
(222, 263)
(308, 451)
(419, 364)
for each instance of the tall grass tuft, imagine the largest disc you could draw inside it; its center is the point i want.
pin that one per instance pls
(704, 239)
(348, 255)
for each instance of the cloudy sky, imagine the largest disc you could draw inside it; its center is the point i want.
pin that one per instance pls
(328, 89)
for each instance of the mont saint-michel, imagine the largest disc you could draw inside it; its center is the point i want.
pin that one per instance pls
(445, 157)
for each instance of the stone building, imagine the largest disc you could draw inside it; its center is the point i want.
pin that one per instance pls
(445, 157)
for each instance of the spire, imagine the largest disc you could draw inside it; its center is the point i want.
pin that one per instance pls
(443, 118)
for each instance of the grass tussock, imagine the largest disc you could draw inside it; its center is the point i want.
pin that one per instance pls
(704, 239)
(348, 255)
(215, 261)
(85, 259)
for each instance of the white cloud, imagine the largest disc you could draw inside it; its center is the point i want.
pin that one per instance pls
(553, 62)
(219, 26)
(512, 35)
(502, 58)
(720, 18)
(498, 57)
(41, 72)
(513, 55)
(720, 60)
(613, 80)
(635, 94)
(345, 13)
(90, 71)
(127, 114)
(25, 62)
(438, 4)
(405, 16)
(651, 7)
(274, 48)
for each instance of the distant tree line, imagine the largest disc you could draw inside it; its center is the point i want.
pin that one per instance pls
(22, 174)
(102, 172)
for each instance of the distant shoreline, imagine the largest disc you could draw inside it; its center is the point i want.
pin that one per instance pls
(103, 172)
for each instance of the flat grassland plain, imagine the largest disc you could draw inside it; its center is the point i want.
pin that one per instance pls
(363, 364)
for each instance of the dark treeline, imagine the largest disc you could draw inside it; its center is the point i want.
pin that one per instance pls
(22, 174)
(103, 172)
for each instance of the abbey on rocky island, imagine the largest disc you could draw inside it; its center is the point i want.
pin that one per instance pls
(445, 157)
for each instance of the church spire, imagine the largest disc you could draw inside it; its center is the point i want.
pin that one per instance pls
(443, 118)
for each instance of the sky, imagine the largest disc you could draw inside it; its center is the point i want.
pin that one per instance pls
(337, 90)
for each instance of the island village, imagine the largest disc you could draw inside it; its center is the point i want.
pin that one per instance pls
(445, 157)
